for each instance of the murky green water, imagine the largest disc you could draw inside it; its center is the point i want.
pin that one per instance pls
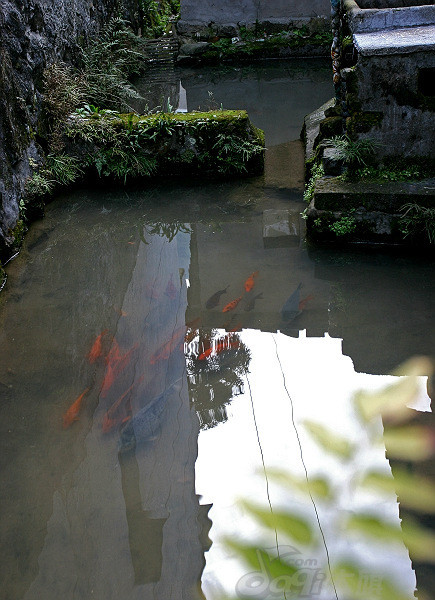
(185, 407)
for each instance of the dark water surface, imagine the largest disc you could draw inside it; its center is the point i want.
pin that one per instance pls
(188, 408)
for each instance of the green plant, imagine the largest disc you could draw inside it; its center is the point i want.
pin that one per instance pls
(156, 16)
(417, 220)
(39, 185)
(345, 225)
(353, 152)
(107, 63)
(317, 171)
(233, 152)
(62, 168)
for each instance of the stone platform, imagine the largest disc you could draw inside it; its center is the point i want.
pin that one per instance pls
(395, 41)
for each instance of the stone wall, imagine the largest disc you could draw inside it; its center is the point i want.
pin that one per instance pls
(395, 107)
(227, 15)
(34, 33)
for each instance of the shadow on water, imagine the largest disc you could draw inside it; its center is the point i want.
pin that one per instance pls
(202, 296)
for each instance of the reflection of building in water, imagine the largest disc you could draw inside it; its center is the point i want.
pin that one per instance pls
(215, 366)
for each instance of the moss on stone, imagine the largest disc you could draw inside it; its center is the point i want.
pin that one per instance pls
(330, 127)
(202, 143)
(18, 233)
(363, 122)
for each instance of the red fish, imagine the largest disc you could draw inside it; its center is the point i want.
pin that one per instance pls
(166, 350)
(249, 283)
(72, 414)
(302, 304)
(96, 350)
(116, 364)
(231, 305)
(117, 413)
(224, 345)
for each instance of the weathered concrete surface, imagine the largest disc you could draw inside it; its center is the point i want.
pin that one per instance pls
(229, 14)
(375, 19)
(391, 86)
(396, 41)
(33, 34)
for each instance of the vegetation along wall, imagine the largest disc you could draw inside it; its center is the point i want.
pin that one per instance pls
(34, 34)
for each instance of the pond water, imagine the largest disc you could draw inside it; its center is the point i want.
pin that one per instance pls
(136, 412)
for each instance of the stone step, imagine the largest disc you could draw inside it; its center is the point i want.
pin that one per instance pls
(395, 41)
(331, 193)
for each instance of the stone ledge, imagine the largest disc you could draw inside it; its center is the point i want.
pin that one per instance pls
(375, 19)
(331, 193)
(395, 41)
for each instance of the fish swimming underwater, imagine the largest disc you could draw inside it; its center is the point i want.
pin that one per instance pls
(291, 309)
(303, 303)
(72, 414)
(220, 347)
(120, 411)
(232, 305)
(96, 350)
(249, 283)
(214, 300)
(116, 363)
(165, 351)
(145, 424)
(251, 303)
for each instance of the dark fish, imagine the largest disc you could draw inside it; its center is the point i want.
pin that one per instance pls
(291, 310)
(214, 300)
(145, 424)
(251, 303)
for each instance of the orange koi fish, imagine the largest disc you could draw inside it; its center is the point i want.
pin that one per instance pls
(114, 354)
(225, 345)
(249, 283)
(231, 305)
(116, 413)
(114, 368)
(96, 350)
(72, 414)
(302, 304)
(165, 351)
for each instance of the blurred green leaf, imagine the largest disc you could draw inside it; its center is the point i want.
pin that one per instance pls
(417, 366)
(413, 491)
(375, 528)
(289, 524)
(419, 541)
(261, 560)
(410, 442)
(316, 486)
(358, 584)
(390, 402)
(330, 441)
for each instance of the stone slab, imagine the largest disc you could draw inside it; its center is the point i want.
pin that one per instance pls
(396, 41)
(333, 194)
(312, 125)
